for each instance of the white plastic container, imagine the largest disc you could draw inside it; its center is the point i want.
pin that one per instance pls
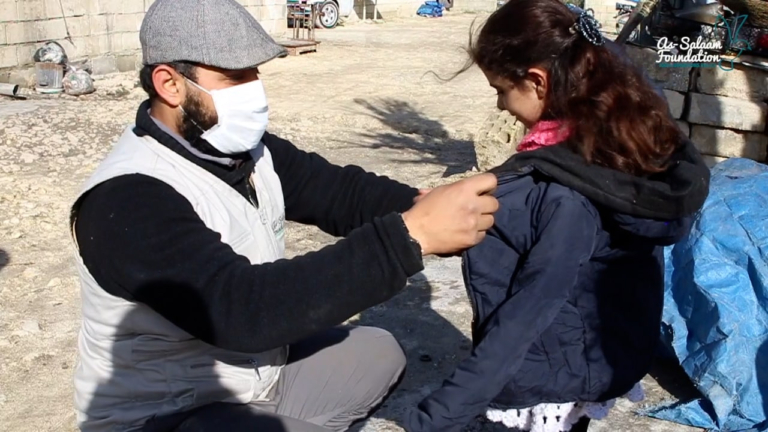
(50, 78)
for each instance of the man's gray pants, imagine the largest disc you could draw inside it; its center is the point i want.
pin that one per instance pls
(331, 380)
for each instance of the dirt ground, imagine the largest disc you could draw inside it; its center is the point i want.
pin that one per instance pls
(367, 98)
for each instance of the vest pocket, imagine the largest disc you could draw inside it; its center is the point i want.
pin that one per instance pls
(213, 380)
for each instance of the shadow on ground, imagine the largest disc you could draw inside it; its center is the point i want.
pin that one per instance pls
(5, 259)
(413, 130)
(433, 345)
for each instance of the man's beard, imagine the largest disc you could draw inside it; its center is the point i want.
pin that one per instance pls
(195, 120)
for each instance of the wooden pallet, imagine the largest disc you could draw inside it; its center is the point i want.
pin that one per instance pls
(298, 47)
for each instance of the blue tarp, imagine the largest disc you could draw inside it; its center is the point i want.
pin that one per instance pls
(431, 9)
(716, 304)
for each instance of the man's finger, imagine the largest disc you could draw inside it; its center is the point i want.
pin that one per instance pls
(487, 204)
(479, 237)
(485, 222)
(482, 183)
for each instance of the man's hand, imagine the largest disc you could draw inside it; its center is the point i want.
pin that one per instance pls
(453, 217)
(422, 193)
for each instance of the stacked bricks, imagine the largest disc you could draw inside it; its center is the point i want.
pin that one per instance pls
(723, 112)
(105, 31)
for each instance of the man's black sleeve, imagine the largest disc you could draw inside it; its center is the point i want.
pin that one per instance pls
(143, 241)
(333, 198)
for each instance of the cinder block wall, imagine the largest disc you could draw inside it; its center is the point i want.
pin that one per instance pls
(107, 31)
(604, 12)
(723, 112)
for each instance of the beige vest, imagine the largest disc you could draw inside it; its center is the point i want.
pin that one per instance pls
(135, 364)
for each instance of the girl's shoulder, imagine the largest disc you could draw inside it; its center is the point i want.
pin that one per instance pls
(525, 199)
(532, 191)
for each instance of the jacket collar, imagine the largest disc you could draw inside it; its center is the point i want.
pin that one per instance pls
(230, 170)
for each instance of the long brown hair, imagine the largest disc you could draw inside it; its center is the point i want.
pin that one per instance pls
(617, 119)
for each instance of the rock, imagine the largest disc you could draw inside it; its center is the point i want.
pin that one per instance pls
(676, 102)
(30, 273)
(28, 157)
(54, 282)
(728, 143)
(31, 326)
(727, 112)
(743, 82)
(685, 127)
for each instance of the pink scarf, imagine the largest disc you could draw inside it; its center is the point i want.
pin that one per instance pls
(544, 133)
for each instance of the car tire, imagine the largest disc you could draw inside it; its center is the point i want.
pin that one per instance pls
(328, 14)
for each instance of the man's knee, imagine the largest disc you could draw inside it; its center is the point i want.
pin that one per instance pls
(381, 350)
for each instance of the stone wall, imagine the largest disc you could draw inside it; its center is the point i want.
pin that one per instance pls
(723, 112)
(106, 31)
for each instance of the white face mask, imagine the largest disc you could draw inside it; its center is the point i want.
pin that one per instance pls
(243, 117)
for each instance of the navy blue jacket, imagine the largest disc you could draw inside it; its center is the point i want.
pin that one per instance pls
(567, 288)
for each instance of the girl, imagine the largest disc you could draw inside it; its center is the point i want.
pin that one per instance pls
(567, 288)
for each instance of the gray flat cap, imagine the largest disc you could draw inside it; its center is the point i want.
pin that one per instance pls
(218, 33)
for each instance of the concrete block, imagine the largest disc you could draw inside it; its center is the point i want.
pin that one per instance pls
(684, 127)
(24, 77)
(128, 63)
(147, 4)
(74, 51)
(103, 65)
(676, 102)
(129, 41)
(727, 112)
(2, 34)
(79, 26)
(8, 56)
(127, 22)
(20, 32)
(35, 31)
(133, 6)
(92, 7)
(31, 10)
(728, 143)
(74, 7)
(81, 47)
(110, 6)
(52, 30)
(712, 160)
(8, 11)
(26, 52)
(742, 82)
(100, 44)
(677, 79)
(66, 8)
(98, 24)
(274, 12)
